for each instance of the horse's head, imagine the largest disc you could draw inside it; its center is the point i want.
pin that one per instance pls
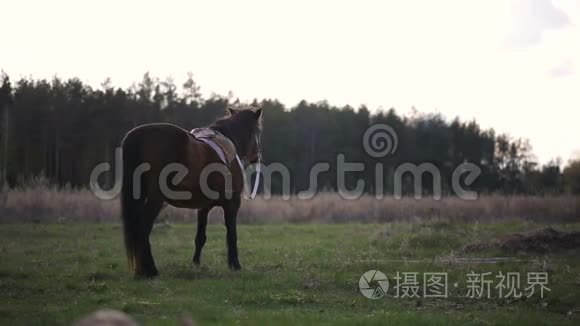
(244, 128)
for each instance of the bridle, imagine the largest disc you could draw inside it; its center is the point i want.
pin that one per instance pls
(259, 144)
(258, 168)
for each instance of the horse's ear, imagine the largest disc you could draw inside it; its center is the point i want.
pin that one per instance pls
(230, 111)
(258, 113)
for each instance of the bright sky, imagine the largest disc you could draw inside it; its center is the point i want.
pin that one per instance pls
(511, 64)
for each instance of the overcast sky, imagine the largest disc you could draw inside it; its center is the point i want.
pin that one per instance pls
(514, 65)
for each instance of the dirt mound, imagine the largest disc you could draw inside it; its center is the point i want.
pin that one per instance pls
(539, 241)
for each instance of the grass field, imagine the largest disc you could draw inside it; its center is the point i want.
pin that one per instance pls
(293, 274)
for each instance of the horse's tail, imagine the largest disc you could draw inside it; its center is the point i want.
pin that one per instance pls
(131, 207)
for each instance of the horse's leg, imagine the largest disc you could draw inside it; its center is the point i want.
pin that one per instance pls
(147, 264)
(230, 214)
(200, 237)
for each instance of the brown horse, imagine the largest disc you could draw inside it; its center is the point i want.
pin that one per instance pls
(147, 152)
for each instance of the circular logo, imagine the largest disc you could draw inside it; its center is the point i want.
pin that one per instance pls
(373, 284)
(380, 140)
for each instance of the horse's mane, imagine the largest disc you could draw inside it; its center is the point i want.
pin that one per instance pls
(240, 127)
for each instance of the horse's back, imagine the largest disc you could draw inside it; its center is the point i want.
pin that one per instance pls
(156, 129)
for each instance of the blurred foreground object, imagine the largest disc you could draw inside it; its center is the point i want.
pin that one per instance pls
(107, 317)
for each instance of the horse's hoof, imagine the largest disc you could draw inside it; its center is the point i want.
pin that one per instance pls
(147, 273)
(235, 267)
(152, 273)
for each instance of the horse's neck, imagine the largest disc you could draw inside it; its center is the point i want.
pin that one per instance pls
(236, 140)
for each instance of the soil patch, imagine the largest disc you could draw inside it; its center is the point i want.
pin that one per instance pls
(539, 241)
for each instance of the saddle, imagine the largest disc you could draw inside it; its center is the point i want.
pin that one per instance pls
(226, 150)
(222, 145)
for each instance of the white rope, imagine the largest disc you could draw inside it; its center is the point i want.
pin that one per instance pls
(242, 170)
(258, 169)
(257, 181)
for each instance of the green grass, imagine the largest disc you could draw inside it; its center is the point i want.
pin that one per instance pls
(293, 274)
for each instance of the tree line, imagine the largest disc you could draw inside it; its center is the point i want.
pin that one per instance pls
(60, 129)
